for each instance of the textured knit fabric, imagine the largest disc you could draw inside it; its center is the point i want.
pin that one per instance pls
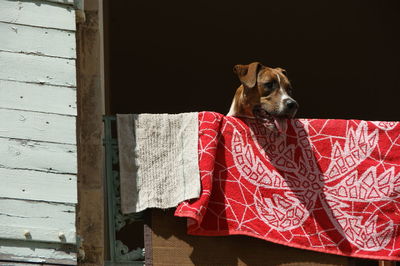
(160, 166)
(326, 185)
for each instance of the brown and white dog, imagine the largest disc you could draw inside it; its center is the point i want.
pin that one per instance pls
(265, 94)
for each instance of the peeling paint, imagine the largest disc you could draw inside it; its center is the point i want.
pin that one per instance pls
(24, 217)
(34, 68)
(38, 131)
(43, 221)
(45, 15)
(37, 41)
(24, 96)
(61, 128)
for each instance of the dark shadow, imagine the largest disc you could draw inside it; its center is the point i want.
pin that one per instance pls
(342, 57)
(173, 246)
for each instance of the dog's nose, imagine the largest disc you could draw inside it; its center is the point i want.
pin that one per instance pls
(291, 104)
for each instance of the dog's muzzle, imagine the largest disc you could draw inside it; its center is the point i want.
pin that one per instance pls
(278, 119)
(291, 104)
(290, 108)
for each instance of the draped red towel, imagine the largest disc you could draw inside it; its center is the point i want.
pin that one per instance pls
(323, 184)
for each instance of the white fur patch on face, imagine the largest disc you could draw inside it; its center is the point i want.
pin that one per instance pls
(283, 100)
(283, 96)
(279, 79)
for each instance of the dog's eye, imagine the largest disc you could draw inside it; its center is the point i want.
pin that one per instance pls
(269, 85)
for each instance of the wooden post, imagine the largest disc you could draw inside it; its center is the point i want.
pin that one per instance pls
(91, 217)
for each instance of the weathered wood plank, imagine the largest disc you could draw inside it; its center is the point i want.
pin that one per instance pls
(38, 13)
(34, 185)
(35, 255)
(37, 69)
(44, 221)
(39, 156)
(64, 2)
(37, 126)
(41, 41)
(28, 96)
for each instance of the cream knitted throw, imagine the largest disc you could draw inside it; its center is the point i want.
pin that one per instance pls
(158, 160)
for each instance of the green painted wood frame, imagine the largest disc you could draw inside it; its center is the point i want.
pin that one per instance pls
(118, 252)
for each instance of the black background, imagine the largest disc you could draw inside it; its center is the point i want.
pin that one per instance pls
(342, 57)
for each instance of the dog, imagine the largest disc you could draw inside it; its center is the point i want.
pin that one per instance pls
(265, 94)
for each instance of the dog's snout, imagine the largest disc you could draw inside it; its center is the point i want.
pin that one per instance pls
(291, 104)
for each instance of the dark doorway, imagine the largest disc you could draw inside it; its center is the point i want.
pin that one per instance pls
(342, 57)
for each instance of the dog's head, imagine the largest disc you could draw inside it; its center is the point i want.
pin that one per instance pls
(265, 93)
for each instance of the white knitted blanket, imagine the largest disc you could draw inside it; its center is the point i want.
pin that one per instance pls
(158, 160)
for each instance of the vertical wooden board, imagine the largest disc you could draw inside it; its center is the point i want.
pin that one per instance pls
(38, 13)
(44, 221)
(34, 185)
(41, 41)
(30, 97)
(37, 126)
(37, 69)
(39, 156)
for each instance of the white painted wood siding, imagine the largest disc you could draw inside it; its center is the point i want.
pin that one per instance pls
(26, 39)
(64, 2)
(29, 96)
(38, 153)
(39, 186)
(37, 126)
(43, 220)
(38, 13)
(37, 69)
(38, 156)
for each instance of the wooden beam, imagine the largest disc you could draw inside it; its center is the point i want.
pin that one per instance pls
(90, 225)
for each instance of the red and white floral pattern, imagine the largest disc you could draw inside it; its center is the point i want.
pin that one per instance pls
(325, 185)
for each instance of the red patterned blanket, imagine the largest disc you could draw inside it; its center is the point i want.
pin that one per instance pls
(326, 185)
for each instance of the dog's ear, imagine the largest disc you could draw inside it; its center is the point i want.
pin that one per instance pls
(283, 71)
(247, 73)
